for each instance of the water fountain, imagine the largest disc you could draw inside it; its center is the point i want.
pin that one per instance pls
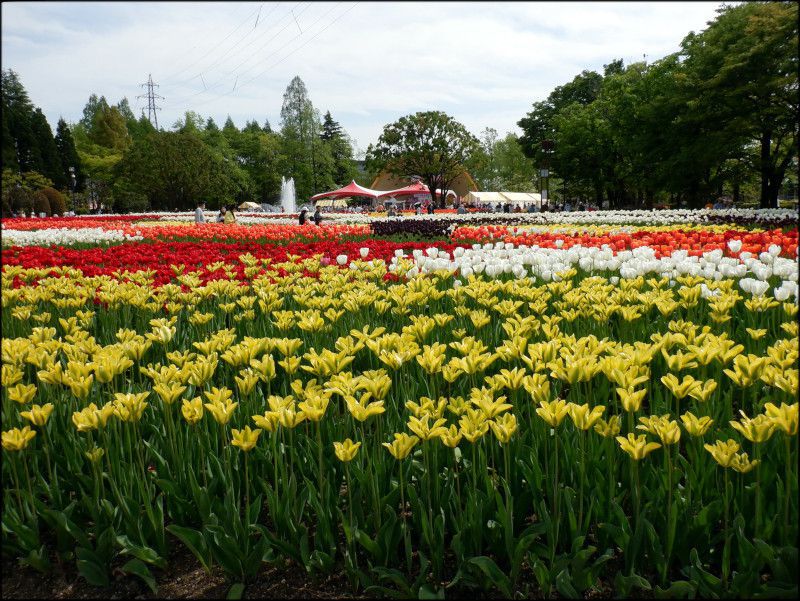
(288, 201)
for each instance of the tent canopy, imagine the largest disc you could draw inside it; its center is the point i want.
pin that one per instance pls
(254, 206)
(351, 189)
(504, 197)
(415, 188)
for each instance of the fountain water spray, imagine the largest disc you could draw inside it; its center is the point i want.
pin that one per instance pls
(288, 201)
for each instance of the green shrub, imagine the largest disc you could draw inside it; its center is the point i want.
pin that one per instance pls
(21, 200)
(127, 201)
(41, 204)
(58, 204)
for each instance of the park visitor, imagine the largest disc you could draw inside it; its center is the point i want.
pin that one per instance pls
(229, 216)
(302, 219)
(199, 216)
(317, 216)
(221, 216)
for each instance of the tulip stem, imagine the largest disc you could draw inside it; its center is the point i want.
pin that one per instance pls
(725, 558)
(246, 493)
(17, 489)
(788, 487)
(758, 492)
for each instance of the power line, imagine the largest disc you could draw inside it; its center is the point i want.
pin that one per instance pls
(214, 85)
(151, 100)
(282, 59)
(219, 59)
(246, 19)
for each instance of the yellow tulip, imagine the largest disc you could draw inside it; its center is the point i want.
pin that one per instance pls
(758, 429)
(473, 424)
(129, 407)
(742, 464)
(375, 381)
(402, 444)
(80, 387)
(631, 399)
(95, 455)
(679, 389)
(696, 426)
(637, 446)
(703, 390)
(222, 411)
(420, 427)
(192, 410)
(169, 393)
(314, 406)
(289, 418)
(784, 417)
(86, 419)
(432, 357)
(245, 438)
(22, 393)
(360, 409)
(268, 421)
(608, 428)
(553, 412)
(346, 451)
(504, 427)
(38, 416)
(11, 374)
(583, 417)
(723, 452)
(17, 439)
(246, 381)
(484, 400)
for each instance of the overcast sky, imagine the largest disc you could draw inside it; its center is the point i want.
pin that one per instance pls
(368, 63)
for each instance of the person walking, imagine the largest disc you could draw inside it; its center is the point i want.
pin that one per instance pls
(229, 216)
(302, 219)
(199, 216)
(221, 216)
(317, 216)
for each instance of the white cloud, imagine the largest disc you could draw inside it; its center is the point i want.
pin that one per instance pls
(482, 63)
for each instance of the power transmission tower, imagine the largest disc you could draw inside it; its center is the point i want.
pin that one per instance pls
(151, 101)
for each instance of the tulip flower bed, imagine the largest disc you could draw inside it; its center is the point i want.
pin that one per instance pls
(581, 411)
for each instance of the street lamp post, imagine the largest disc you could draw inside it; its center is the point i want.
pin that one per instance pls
(547, 148)
(72, 189)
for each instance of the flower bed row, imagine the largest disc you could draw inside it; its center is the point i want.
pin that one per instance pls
(411, 432)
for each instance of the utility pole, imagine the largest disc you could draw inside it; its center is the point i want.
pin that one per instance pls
(151, 100)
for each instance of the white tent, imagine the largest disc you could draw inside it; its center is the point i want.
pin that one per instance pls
(515, 198)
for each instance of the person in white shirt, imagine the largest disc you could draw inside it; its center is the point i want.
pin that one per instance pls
(199, 216)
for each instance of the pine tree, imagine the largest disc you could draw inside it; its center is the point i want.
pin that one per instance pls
(93, 105)
(68, 154)
(49, 160)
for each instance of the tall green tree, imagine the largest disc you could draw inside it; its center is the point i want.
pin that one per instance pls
(47, 156)
(69, 155)
(175, 170)
(93, 105)
(431, 145)
(20, 149)
(307, 161)
(341, 150)
(744, 69)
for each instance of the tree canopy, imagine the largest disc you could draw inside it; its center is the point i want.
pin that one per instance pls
(431, 145)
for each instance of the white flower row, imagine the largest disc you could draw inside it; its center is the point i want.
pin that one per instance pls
(546, 263)
(613, 217)
(65, 236)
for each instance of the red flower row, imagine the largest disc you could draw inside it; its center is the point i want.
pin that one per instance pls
(664, 242)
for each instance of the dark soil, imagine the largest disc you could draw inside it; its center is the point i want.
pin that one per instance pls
(184, 579)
